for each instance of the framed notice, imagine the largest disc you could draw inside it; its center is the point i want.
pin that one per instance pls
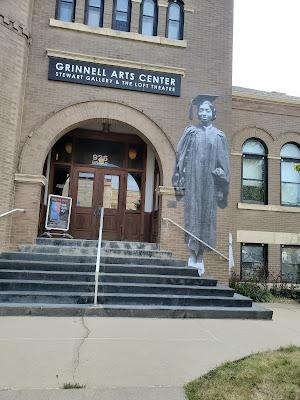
(58, 213)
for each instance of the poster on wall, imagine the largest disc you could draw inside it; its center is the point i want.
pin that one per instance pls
(58, 213)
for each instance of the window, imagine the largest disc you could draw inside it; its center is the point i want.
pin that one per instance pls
(290, 263)
(122, 15)
(290, 175)
(253, 261)
(65, 10)
(134, 191)
(61, 180)
(254, 172)
(99, 153)
(148, 22)
(175, 20)
(94, 13)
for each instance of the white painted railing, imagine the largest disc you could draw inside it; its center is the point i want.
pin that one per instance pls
(229, 259)
(98, 257)
(15, 210)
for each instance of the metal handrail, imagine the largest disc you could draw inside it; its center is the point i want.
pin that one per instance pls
(98, 256)
(21, 210)
(195, 237)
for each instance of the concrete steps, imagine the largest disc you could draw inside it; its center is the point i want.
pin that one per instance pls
(144, 311)
(105, 278)
(118, 288)
(124, 298)
(112, 258)
(92, 251)
(31, 266)
(136, 279)
(106, 244)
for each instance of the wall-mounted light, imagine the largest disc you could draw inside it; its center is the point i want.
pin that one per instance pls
(132, 154)
(68, 148)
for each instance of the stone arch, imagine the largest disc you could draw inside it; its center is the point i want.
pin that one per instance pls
(41, 140)
(242, 135)
(287, 137)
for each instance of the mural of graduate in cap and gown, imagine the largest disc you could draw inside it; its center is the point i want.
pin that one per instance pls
(201, 178)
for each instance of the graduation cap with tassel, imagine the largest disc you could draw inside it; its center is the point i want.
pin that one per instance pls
(198, 100)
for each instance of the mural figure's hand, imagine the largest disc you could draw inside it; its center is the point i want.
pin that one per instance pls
(220, 196)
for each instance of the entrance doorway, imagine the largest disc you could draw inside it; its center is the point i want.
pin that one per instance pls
(110, 170)
(119, 192)
(95, 189)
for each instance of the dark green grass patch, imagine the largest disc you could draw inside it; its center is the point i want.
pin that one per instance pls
(75, 385)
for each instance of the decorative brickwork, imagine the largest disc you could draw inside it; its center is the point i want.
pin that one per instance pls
(15, 27)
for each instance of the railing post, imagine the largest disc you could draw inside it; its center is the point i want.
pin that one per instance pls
(98, 256)
(230, 254)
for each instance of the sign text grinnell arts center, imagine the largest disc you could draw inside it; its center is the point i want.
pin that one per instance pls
(115, 77)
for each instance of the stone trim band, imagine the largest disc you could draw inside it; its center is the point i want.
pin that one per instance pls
(282, 238)
(268, 207)
(76, 26)
(33, 179)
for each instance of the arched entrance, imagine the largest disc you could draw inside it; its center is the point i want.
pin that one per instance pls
(41, 140)
(105, 164)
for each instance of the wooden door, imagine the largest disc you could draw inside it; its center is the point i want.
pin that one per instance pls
(85, 202)
(112, 199)
(134, 207)
(94, 188)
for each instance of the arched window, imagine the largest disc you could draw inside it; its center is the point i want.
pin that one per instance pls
(94, 12)
(148, 20)
(254, 172)
(65, 10)
(290, 174)
(122, 15)
(175, 20)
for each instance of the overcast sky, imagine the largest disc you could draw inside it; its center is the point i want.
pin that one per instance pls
(266, 46)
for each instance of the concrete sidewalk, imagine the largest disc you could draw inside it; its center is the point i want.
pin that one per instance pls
(126, 358)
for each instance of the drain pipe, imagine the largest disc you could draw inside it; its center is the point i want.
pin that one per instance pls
(98, 256)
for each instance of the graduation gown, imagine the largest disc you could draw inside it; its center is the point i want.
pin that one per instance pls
(201, 172)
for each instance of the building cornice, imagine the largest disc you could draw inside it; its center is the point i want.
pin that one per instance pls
(264, 97)
(115, 61)
(16, 27)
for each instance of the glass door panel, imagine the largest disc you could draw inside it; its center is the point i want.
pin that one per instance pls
(111, 191)
(85, 189)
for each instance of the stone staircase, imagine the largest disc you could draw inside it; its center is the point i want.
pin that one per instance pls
(57, 277)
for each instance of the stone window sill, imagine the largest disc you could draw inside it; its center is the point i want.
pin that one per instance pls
(75, 26)
(268, 207)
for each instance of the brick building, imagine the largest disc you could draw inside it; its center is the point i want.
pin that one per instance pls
(91, 107)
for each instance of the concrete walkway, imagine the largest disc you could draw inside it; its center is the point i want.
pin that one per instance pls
(126, 358)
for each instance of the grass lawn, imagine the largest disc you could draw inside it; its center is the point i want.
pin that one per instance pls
(274, 375)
